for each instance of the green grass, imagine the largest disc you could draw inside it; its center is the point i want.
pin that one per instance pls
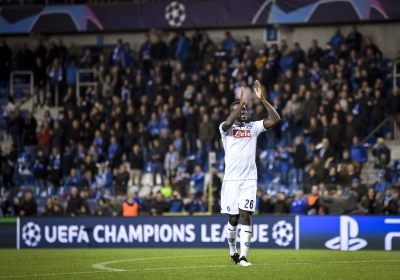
(196, 264)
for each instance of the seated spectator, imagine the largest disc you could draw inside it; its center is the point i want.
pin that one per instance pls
(299, 204)
(28, 206)
(159, 205)
(371, 203)
(74, 179)
(311, 178)
(16, 207)
(171, 161)
(40, 170)
(85, 209)
(176, 204)
(358, 151)
(147, 204)
(325, 151)
(382, 184)
(130, 208)
(390, 203)
(313, 206)
(265, 204)
(167, 189)
(350, 174)
(381, 153)
(136, 162)
(280, 206)
(47, 211)
(193, 204)
(198, 180)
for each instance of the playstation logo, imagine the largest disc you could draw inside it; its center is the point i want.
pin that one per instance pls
(347, 241)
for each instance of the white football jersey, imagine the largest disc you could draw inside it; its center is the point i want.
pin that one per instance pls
(240, 150)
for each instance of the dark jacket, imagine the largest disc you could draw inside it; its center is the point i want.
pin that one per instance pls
(29, 207)
(136, 161)
(299, 156)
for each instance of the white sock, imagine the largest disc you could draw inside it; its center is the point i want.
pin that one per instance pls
(231, 236)
(245, 238)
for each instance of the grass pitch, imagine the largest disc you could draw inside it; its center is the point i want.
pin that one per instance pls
(196, 264)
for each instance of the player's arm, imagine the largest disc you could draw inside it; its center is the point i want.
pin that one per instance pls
(274, 118)
(235, 113)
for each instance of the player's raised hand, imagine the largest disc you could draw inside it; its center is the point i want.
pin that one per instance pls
(258, 90)
(242, 99)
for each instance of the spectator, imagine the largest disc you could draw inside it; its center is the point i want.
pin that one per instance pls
(136, 161)
(350, 175)
(228, 42)
(130, 208)
(40, 170)
(382, 184)
(102, 208)
(8, 161)
(381, 153)
(15, 127)
(70, 74)
(176, 204)
(280, 205)
(171, 161)
(56, 76)
(358, 152)
(198, 181)
(299, 204)
(193, 204)
(265, 204)
(29, 135)
(159, 50)
(375, 50)
(74, 203)
(159, 205)
(389, 204)
(54, 168)
(337, 39)
(286, 61)
(325, 152)
(354, 39)
(145, 56)
(39, 81)
(121, 178)
(393, 106)
(369, 202)
(315, 52)
(314, 206)
(118, 53)
(115, 152)
(48, 210)
(16, 206)
(167, 189)
(129, 57)
(25, 58)
(28, 206)
(206, 136)
(74, 179)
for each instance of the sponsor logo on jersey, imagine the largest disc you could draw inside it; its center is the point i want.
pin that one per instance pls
(242, 133)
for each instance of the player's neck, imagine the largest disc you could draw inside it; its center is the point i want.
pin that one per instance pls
(240, 123)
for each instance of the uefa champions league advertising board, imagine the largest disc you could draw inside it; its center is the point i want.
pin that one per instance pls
(150, 232)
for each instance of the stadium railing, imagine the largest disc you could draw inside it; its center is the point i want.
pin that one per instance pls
(84, 73)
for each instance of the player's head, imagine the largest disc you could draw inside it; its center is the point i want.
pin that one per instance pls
(243, 113)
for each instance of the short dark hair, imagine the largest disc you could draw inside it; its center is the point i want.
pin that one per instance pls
(234, 104)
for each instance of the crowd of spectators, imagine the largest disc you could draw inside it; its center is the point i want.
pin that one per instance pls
(158, 108)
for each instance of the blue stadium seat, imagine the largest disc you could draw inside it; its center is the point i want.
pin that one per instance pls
(283, 188)
(270, 190)
(396, 165)
(293, 189)
(18, 94)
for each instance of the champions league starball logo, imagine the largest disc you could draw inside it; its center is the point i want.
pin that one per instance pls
(282, 233)
(31, 234)
(175, 14)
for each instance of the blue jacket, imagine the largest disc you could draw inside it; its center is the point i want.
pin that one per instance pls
(73, 181)
(336, 40)
(198, 180)
(71, 75)
(176, 206)
(182, 50)
(381, 187)
(359, 153)
(228, 44)
(298, 206)
(286, 63)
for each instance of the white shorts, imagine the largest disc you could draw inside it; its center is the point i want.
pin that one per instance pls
(237, 195)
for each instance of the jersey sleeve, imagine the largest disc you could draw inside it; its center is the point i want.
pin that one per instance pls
(223, 133)
(258, 127)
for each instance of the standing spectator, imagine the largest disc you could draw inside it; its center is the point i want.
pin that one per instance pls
(299, 204)
(121, 178)
(5, 61)
(70, 73)
(56, 76)
(377, 105)
(354, 39)
(358, 152)
(286, 61)
(74, 179)
(40, 170)
(315, 53)
(115, 152)
(299, 154)
(337, 39)
(136, 161)
(182, 49)
(206, 136)
(198, 181)
(44, 138)
(130, 208)
(129, 57)
(192, 129)
(39, 81)
(325, 151)
(54, 168)
(25, 58)
(156, 159)
(382, 184)
(171, 162)
(369, 202)
(159, 50)
(74, 203)
(28, 206)
(228, 42)
(145, 56)
(381, 153)
(375, 50)
(118, 53)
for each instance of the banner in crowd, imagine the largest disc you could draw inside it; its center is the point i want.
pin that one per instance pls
(190, 14)
(148, 232)
(349, 233)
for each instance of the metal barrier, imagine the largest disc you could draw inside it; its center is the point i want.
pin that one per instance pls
(395, 73)
(21, 86)
(80, 83)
